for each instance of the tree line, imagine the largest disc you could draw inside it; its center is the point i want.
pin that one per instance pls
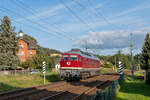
(141, 59)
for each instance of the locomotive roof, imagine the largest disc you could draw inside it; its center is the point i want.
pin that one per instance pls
(84, 54)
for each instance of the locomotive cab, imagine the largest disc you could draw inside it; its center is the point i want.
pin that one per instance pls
(70, 60)
(77, 65)
(69, 66)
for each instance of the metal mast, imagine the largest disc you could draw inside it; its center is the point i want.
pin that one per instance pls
(132, 66)
(86, 46)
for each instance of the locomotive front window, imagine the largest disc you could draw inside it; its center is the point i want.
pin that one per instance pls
(65, 58)
(73, 58)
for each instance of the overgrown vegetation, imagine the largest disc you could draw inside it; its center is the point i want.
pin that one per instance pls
(46, 51)
(104, 70)
(23, 81)
(134, 89)
(114, 59)
(36, 62)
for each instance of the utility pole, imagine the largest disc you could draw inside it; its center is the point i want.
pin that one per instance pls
(132, 66)
(114, 68)
(115, 64)
(86, 46)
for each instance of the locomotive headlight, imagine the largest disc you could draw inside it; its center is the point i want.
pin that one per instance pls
(68, 63)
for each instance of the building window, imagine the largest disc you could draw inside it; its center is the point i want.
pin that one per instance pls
(22, 60)
(22, 53)
(30, 53)
(21, 46)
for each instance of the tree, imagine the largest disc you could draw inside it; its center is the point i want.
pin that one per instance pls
(36, 62)
(145, 56)
(8, 43)
(46, 51)
(38, 59)
(137, 59)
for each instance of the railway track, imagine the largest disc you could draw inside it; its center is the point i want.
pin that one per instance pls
(81, 92)
(91, 90)
(13, 95)
(55, 96)
(61, 90)
(67, 95)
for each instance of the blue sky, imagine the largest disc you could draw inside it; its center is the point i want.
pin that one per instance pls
(104, 25)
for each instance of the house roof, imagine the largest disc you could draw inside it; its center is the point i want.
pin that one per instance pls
(31, 45)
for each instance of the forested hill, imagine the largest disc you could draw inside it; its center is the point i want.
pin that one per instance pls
(40, 49)
(46, 51)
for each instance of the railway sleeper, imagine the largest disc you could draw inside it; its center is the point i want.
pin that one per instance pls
(15, 96)
(87, 92)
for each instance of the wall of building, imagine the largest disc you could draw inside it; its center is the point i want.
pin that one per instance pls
(24, 53)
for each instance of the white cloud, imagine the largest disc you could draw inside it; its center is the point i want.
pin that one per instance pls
(125, 51)
(117, 39)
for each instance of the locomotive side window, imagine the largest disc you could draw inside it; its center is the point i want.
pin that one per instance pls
(73, 58)
(87, 59)
(79, 58)
(65, 58)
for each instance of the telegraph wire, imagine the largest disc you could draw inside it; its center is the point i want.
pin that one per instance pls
(45, 30)
(30, 26)
(33, 11)
(81, 5)
(75, 15)
(98, 14)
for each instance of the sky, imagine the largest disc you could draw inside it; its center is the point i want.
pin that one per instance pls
(104, 26)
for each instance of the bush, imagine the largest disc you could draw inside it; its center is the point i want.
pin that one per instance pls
(36, 62)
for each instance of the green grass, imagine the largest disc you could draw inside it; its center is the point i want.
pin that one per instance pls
(134, 89)
(106, 70)
(23, 81)
(139, 73)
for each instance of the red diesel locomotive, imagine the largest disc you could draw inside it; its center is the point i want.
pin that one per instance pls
(76, 64)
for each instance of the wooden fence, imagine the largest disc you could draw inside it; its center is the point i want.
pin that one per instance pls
(14, 72)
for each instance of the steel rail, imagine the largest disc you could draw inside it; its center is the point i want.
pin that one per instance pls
(52, 97)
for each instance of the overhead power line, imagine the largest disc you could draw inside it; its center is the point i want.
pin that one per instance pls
(33, 11)
(44, 29)
(82, 6)
(75, 15)
(98, 14)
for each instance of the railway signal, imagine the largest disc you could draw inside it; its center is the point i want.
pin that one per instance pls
(44, 69)
(120, 68)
